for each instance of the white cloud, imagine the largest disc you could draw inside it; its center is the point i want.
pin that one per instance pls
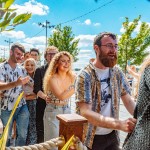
(14, 34)
(85, 40)
(87, 22)
(137, 29)
(118, 37)
(35, 24)
(33, 7)
(27, 46)
(41, 48)
(35, 40)
(96, 24)
(4, 51)
(2, 47)
(54, 30)
(122, 30)
(84, 56)
(85, 51)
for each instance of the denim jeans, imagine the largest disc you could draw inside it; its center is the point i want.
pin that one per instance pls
(22, 120)
(51, 123)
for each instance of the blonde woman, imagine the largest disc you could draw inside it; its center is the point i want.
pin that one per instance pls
(30, 66)
(59, 86)
(139, 139)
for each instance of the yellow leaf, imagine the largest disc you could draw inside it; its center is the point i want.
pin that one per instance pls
(67, 145)
(8, 3)
(3, 139)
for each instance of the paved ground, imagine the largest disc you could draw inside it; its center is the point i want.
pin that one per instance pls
(123, 115)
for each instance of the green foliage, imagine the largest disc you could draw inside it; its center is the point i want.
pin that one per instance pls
(8, 4)
(132, 46)
(9, 18)
(2, 60)
(64, 40)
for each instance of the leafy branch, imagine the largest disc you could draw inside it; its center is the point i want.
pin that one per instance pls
(9, 18)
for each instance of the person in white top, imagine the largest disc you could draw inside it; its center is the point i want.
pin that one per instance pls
(10, 71)
(98, 90)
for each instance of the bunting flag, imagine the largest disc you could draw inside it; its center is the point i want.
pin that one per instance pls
(4, 136)
(68, 144)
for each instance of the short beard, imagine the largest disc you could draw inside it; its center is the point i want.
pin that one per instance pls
(13, 59)
(107, 61)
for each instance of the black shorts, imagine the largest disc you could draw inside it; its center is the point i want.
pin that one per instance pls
(106, 142)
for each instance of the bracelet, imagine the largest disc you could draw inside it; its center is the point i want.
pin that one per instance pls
(71, 87)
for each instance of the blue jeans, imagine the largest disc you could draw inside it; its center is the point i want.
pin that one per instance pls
(51, 123)
(21, 117)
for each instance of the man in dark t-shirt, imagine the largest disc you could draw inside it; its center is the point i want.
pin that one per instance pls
(38, 89)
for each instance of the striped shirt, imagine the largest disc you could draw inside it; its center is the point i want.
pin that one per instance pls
(88, 90)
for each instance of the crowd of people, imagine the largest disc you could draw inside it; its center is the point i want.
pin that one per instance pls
(98, 89)
(17, 75)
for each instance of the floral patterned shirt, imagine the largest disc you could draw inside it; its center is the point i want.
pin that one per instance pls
(88, 90)
(8, 74)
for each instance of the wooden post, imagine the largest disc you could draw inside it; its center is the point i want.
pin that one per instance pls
(71, 124)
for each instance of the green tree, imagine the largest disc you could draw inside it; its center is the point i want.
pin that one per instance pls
(64, 40)
(9, 18)
(133, 46)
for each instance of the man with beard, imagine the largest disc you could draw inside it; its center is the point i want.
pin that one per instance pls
(38, 89)
(99, 87)
(10, 71)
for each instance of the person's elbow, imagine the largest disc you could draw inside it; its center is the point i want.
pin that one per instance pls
(85, 109)
(83, 113)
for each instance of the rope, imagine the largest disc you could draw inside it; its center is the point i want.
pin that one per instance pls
(48, 145)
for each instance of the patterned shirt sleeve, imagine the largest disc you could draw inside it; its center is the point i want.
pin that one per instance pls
(1, 73)
(83, 88)
(125, 87)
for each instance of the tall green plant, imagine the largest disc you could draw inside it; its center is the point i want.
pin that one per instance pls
(64, 40)
(133, 46)
(8, 16)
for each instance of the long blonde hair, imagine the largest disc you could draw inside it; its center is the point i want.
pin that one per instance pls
(53, 69)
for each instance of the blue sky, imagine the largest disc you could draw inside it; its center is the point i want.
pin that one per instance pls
(108, 16)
